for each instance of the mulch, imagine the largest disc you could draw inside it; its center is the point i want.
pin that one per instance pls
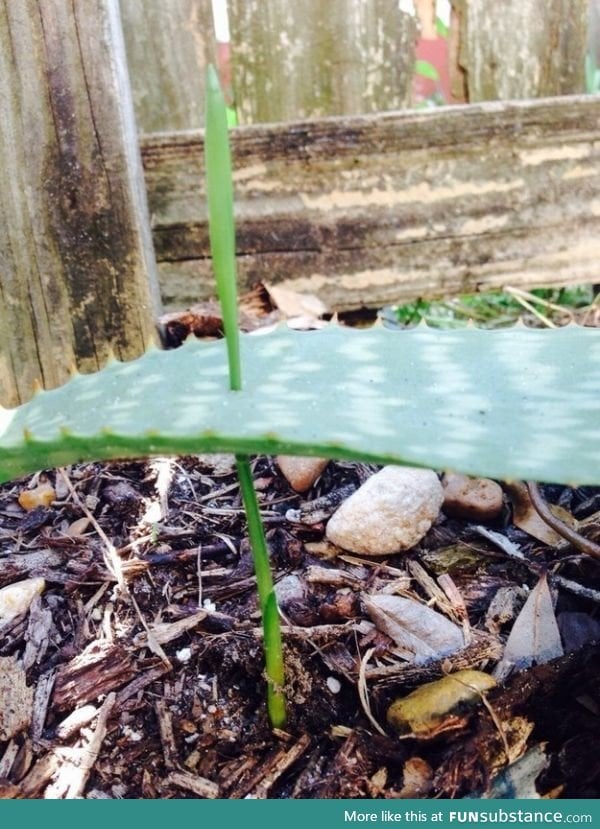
(144, 651)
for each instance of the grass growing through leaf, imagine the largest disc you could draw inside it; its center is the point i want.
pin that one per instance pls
(219, 188)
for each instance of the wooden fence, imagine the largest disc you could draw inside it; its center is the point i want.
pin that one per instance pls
(362, 209)
(377, 209)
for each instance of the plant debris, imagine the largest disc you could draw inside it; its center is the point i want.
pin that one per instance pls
(140, 668)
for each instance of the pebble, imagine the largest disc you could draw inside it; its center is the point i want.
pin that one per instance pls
(473, 499)
(390, 512)
(301, 473)
(334, 685)
(16, 599)
(423, 711)
(290, 589)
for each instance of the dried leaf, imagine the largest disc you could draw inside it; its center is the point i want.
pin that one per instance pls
(78, 527)
(420, 632)
(534, 638)
(528, 519)
(518, 780)
(293, 304)
(16, 599)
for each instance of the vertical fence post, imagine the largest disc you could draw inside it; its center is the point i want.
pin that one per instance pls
(520, 48)
(343, 57)
(77, 270)
(168, 43)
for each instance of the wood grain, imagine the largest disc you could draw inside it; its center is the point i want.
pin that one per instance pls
(78, 273)
(168, 43)
(516, 49)
(379, 209)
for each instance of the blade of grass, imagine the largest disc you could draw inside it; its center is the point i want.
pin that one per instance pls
(266, 595)
(219, 188)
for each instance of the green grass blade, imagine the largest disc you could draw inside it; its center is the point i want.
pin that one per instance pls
(219, 189)
(266, 596)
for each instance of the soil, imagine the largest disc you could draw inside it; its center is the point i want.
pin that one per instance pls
(147, 637)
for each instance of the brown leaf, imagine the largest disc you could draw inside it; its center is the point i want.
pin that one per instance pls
(527, 518)
(422, 633)
(292, 304)
(534, 638)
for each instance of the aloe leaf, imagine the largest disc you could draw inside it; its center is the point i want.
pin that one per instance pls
(510, 404)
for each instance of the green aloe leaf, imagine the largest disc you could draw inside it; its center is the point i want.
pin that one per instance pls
(514, 403)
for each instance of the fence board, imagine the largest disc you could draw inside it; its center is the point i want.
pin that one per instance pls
(299, 60)
(168, 43)
(77, 271)
(521, 48)
(380, 209)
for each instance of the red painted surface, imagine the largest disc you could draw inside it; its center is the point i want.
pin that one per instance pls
(436, 53)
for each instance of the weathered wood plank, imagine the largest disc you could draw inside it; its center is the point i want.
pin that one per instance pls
(77, 270)
(380, 209)
(521, 48)
(300, 60)
(168, 43)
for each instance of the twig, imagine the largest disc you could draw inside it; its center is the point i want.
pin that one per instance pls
(91, 751)
(518, 295)
(585, 545)
(512, 551)
(519, 292)
(199, 786)
(111, 557)
(152, 640)
(363, 692)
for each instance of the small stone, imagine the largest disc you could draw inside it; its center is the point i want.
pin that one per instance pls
(301, 473)
(474, 499)
(184, 655)
(423, 711)
(334, 685)
(16, 599)
(41, 496)
(389, 513)
(289, 589)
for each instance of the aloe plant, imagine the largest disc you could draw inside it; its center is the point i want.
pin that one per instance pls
(515, 403)
(509, 404)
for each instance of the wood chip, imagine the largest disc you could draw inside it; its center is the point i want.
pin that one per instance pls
(284, 760)
(74, 772)
(16, 699)
(199, 786)
(97, 670)
(45, 768)
(167, 737)
(167, 632)
(41, 700)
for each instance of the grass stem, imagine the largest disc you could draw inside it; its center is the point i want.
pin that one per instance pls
(266, 596)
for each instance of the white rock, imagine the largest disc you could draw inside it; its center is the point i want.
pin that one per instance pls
(301, 473)
(391, 512)
(290, 589)
(16, 598)
(334, 685)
